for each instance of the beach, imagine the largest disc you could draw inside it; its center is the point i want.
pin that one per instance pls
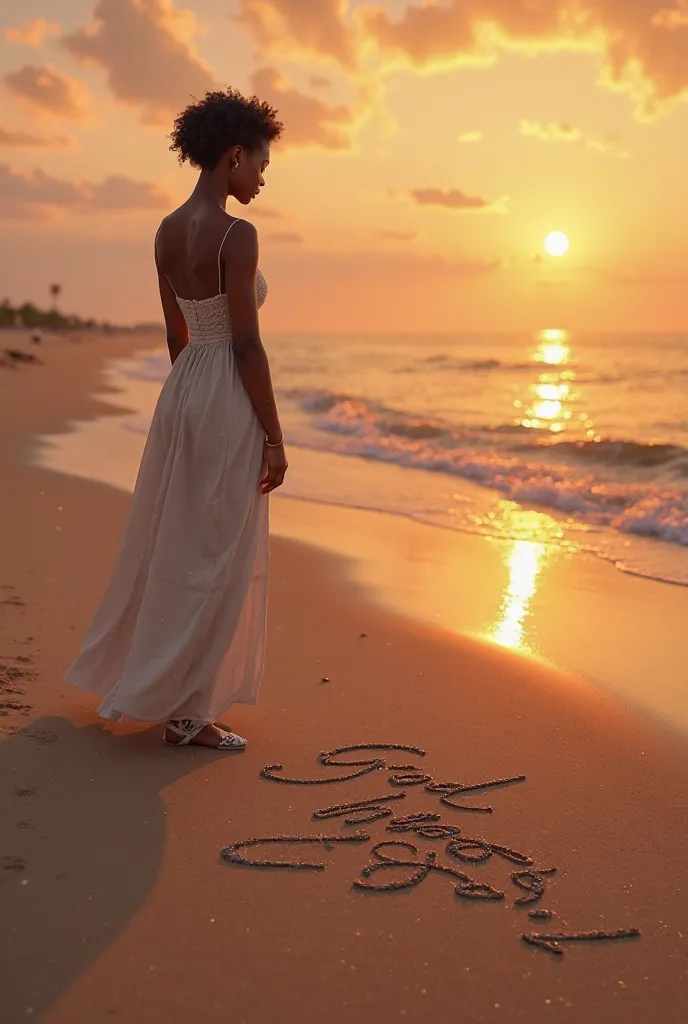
(117, 903)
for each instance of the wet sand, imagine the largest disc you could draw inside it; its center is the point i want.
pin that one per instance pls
(117, 904)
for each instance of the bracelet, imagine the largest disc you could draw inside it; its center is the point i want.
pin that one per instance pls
(276, 445)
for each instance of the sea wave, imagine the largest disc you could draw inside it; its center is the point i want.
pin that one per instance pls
(576, 478)
(632, 487)
(625, 453)
(340, 413)
(445, 362)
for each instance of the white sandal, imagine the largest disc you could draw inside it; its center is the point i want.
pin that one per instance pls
(189, 728)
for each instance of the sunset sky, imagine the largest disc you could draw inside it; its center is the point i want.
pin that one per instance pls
(429, 149)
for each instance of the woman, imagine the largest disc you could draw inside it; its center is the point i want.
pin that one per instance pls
(179, 635)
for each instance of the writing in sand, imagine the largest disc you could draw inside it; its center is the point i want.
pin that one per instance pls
(401, 858)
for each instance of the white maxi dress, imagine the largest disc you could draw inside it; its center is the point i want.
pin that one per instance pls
(180, 631)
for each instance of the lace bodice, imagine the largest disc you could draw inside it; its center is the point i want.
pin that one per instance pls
(208, 319)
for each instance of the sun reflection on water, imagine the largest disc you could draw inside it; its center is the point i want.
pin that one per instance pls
(524, 563)
(525, 559)
(553, 347)
(549, 407)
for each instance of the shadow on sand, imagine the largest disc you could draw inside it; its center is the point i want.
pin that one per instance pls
(82, 829)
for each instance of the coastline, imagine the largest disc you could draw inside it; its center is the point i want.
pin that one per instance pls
(568, 608)
(127, 912)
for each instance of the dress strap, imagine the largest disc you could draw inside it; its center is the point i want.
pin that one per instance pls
(219, 255)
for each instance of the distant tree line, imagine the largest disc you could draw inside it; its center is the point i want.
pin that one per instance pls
(30, 315)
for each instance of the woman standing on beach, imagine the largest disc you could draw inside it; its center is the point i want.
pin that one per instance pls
(180, 633)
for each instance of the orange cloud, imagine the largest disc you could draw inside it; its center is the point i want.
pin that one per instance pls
(146, 49)
(268, 212)
(33, 33)
(36, 195)
(121, 193)
(640, 43)
(286, 238)
(291, 27)
(609, 144)
(672, 18)
(454, 199)
(468, 137)
(642, 49)
(50, 90)
(12, 138)
(633, 278)
(308, 120)
(553, 131)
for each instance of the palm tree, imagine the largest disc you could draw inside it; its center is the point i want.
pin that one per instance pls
(55, 291)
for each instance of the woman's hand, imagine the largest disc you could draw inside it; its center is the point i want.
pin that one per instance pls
(275, 468)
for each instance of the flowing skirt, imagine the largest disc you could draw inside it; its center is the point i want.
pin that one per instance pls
(180, 631)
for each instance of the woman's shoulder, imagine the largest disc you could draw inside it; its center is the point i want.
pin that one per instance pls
(239, 234)
(218, 231)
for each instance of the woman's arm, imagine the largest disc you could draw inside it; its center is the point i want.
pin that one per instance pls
(241, 264)
(175, 324)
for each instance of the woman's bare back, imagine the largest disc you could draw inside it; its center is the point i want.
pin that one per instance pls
(188, 247)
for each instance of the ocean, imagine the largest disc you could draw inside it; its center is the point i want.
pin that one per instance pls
(574, 440)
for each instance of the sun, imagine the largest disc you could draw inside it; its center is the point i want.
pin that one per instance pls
(556, 243)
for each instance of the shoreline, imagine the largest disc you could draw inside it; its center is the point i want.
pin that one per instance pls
(574, 611)
(328, 476)
(127, 910)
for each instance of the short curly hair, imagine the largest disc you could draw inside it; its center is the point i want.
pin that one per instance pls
(205, 130)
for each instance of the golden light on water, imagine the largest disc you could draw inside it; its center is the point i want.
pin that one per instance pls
(525, 560)
(553, 347)
(548, 408)
(556, 244)
(524, 563)
(552, 392)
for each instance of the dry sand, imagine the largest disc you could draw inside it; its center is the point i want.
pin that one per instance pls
(115, 902)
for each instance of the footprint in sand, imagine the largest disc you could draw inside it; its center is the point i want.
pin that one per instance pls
(8, 707)
(13, 864)
(42, 736)
(11, 673)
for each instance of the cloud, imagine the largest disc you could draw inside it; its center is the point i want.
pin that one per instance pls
(36, 195)
(556, 131)
(553, 131)
(298, 28)
(455, 199)
(640, 44)
(398, 234)
(641, 47)
(434, 34)
(33, 33)
(610, 143)
(672, 18)
(469, 268)
(30, 196)
(286, 238)
(387, 264)
(146, 49)
(50, 90)
(16, 139)
(468, 137)
(121, 193)
(268, 212)
(633, 278)
(309, 121)
(319, 82)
